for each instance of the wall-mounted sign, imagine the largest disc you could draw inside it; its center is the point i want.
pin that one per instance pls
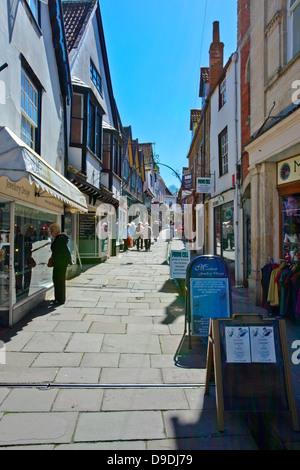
(187, 182)
(288, 170)
(204, 185)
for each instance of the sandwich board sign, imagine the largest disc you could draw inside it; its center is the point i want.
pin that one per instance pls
(208, 293)
(179, 261)
(250, 359)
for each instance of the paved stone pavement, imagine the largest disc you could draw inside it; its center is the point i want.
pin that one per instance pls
(119, 372)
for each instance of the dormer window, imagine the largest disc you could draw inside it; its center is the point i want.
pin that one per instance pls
(95, 77)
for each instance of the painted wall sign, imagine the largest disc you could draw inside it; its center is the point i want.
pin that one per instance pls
(288, 170)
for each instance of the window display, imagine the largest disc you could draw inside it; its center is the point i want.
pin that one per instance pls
(4, 252)
(290, 213)
(31, 250)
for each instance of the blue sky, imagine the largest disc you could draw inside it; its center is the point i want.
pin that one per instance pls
(155, 51)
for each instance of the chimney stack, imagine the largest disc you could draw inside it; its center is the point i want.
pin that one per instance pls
(215, 56)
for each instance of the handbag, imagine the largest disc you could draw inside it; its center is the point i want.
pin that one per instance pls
(50, 263)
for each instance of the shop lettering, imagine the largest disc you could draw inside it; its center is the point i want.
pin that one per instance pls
(19, 189)
(296, 164)
(296, 94)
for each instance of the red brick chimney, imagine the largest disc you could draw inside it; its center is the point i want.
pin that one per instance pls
(215, 56)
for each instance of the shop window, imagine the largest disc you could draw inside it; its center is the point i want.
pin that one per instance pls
(4, 252)
(290, 222)
(223, 152)
(29, 111)
(224, 232)
(293, 28)
(31, 250)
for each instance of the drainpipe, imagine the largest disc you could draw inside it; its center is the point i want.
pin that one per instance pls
(238, 280)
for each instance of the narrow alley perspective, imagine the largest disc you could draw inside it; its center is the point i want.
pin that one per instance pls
(111, 369)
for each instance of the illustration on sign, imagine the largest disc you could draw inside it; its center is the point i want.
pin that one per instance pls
(237, 344)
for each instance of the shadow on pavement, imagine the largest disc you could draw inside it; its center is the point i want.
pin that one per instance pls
(44, 308)
(191, 358)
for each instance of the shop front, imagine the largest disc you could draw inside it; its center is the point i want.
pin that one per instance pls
(288, 185)
(33, 195)
(224, 237)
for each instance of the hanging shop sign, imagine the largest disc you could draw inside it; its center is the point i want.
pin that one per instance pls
(288, 170)
(187, 182)
(250, 359)
(179, 261)
(204, 185)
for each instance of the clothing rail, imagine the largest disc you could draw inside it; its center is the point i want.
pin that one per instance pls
(281, 260)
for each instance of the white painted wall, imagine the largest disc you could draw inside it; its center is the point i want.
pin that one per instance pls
(19, 34)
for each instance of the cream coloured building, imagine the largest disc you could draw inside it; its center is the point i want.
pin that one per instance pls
(274, 148)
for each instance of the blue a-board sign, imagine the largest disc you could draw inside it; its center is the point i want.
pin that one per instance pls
(208, 293)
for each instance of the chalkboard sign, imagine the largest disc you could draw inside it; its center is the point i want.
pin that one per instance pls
(251, 364)
(208, 293)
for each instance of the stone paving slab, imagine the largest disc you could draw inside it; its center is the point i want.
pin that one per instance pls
(148, 399)
(29, 400)
(33, 428)
(132, 375)
(119, 426)
(144, 344)
(78, 400)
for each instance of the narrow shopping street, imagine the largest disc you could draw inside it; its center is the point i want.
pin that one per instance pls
(116, 370)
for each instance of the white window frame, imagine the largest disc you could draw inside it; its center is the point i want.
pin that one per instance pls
(222, 93)
(224, 152)
(290, 29)
(28, 106)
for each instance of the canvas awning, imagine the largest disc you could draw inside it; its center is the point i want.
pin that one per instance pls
(18, 161)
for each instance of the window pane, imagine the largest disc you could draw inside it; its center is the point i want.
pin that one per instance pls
(77, 120)
(91, 139)
(76, 131)
(296, 30)
(77, 106)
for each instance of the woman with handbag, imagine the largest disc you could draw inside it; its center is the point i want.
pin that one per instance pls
(60, 259)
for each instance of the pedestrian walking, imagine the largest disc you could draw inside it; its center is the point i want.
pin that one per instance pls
(61, 257)
(139, 236)
(147, 233)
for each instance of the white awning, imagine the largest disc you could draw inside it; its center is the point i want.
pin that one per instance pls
(17, 161)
